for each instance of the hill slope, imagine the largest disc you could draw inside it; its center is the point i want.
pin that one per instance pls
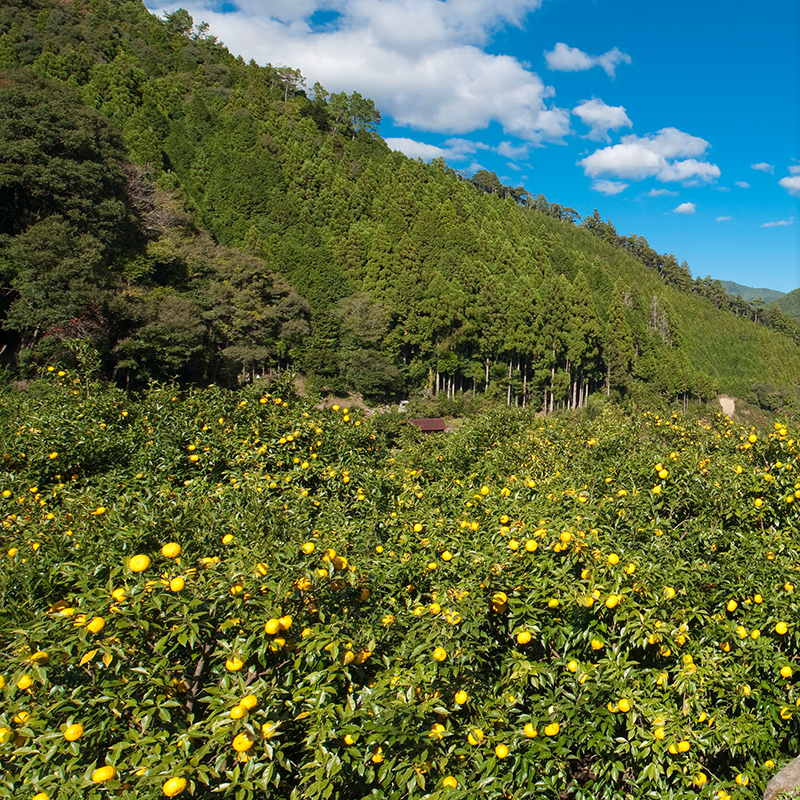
(750, 293)
(401, 276)
(790, 304)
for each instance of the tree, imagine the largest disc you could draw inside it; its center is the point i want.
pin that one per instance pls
(179, 22)
(618, 350)
(353, 114)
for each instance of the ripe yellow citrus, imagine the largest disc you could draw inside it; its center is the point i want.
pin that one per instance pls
(669, 592)
(501, 751)
(437, 731)
(249, 702)
(781, 628)
(553, 603)
(596, 644)
(139, 563)
(25, 682)
(447, 556)
(659, 733)
(234, 664)
(612, 601)
(173, 787)
(73, 732)
(572, 666)
(349, 739)
(449, 782)
(461, 697)
(377, 755)
(624, 705)
(731, 606)
(237, 712)
(439, 654)
(171, 550)
(272, 627)
(177, 584)
(269, 729)
(119, 595)
(6, 735)
(40, 796)
(742, 780)
(523, 638)
(40, 657)
(285, 622)
(103, 774)
(96, 625)
(308, 548)
(552, 729)
(242, 742)
(475, 737)
(531, 546)
(530, 730)
(683, 746)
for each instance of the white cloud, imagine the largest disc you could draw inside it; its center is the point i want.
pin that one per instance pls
(563, 58)
(723, 219)
(792, 185)
(686, 208)
(661, 193)
(743, 184)
(453, 150)
(762, 166)
(420, 60)
(508, 150)
(781, 223)
(414, 149)
(794, 169)
(700, 171)
(609, 187)
(665, 156)
(601, 118)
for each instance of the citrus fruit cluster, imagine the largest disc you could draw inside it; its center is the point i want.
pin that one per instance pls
(303, 610)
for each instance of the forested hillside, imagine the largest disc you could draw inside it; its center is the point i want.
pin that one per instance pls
(170, 211)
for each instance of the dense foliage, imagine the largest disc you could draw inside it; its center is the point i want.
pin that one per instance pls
(125, 137)
(221, 595)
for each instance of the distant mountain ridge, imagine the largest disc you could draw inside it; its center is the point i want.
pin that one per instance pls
(790, 304)
(751, 293)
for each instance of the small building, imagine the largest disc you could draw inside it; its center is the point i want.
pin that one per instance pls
(429, 425)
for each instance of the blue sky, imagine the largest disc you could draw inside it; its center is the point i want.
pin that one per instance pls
(678, 121)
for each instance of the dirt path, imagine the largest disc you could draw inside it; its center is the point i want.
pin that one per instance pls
(728, 405)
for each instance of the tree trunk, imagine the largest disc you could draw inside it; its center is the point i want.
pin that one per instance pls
(524, 384)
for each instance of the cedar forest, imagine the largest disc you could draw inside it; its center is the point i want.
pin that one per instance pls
(171, 212)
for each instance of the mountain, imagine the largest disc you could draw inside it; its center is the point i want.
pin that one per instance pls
(790, 304)
(749, 293)
(169, 211)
